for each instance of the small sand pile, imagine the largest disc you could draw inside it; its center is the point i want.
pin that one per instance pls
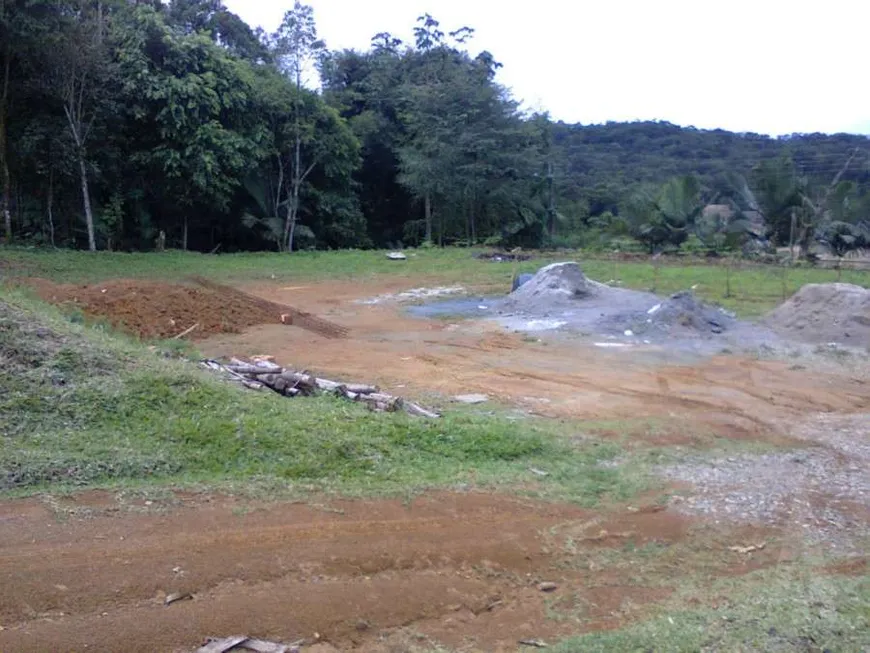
(553, 285)
(822, 313)
(683, 312)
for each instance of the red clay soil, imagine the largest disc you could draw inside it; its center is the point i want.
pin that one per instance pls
(462, 570)
(91, 573)
(852, 567)
(150, 309)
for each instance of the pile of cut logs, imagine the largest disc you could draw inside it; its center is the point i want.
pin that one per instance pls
(261, 372)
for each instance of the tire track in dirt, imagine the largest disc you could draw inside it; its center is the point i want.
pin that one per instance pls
(281, 571)
(84, 573)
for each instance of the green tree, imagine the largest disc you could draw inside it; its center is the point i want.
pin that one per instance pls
(79, 76)
(300, 126)
(296, 49)
(6, 38)
(194, 101)
(844, 237)
(667, 216)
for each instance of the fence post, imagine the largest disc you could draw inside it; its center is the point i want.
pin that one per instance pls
(728, 264)
(784, 282)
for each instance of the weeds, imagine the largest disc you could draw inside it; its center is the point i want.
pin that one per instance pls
(779, 609)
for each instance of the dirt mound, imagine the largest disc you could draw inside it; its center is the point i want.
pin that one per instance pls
(829, 312)
(151, 309)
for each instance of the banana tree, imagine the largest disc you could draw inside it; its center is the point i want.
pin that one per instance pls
(668, 216)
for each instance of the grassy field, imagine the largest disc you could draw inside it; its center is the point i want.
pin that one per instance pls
(748, 290)
(84, 407)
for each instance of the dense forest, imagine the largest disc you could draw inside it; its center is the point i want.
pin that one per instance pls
(141, 124)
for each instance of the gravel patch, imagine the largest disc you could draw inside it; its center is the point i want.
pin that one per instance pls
(822, 490)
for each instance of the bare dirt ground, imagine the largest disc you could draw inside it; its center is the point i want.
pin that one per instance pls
(556, 377)
(92, 573)
(462, 570)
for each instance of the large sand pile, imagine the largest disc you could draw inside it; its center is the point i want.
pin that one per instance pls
(553, 286)
(562, 291)
(822, 313)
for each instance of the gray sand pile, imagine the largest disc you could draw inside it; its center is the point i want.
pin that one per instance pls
(561, 290)
(683, 312)
(823, 313)
(553, 286)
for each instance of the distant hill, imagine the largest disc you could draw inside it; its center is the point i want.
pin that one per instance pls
(602, 162)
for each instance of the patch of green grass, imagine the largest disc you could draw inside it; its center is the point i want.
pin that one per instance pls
(750, 291)
(788, 604)
(84, 407)
(782, 609)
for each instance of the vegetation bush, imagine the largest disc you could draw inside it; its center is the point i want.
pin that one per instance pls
(178, 119)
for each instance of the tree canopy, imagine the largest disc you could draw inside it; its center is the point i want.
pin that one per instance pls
(124, 119)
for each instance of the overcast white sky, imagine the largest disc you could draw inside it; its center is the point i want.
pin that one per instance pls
(768, 66)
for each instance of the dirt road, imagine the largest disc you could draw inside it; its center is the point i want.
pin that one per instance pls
(92, 573)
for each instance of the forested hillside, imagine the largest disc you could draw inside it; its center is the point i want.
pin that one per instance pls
(137, 124)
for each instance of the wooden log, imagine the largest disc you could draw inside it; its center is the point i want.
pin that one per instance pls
(186, 332)
(267, 365)
(304, 382)
(281, 384)
(328, 386)
(300, 377)
(417, 410)
(381, 402)
(221, 645)
(253, 370)
(268, 379)
(379, 396)
(362, 389)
